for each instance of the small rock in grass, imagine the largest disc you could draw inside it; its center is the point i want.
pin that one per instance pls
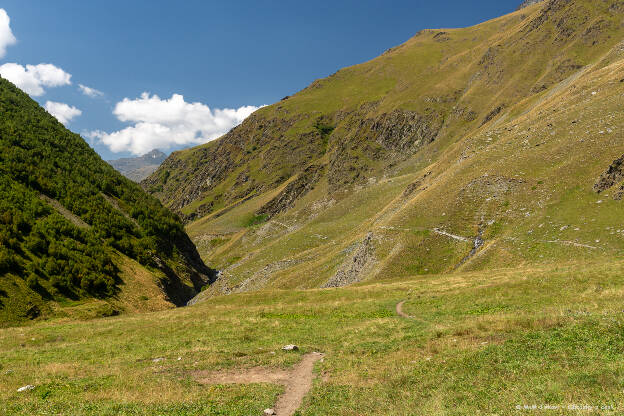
(269, 412)
(26, 388)
(290, 347)
(157, 360)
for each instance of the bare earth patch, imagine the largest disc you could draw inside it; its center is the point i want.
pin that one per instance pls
(248, 376)
(297, 381)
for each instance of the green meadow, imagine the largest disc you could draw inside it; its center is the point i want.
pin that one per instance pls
(477, 343)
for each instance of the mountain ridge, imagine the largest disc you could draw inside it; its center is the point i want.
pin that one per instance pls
(401, 147)
(139, 168)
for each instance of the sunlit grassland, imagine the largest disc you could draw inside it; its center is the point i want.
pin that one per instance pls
(480, 343)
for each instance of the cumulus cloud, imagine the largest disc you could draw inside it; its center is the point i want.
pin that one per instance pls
(63, 112)
(6, 34)
(33, 79)
(90, 92)
(166, 123)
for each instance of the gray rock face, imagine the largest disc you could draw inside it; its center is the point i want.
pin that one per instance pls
(527, 3)
(356, 266)
(304, 183)
(139, 168)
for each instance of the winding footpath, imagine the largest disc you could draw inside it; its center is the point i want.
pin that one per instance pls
(399, 310)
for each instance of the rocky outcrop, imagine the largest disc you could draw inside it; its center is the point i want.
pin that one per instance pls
(414, 186)
(370, 142)
(219, 171)
(261, 154)
(354, 269)
(405, 131)
(527, 3)
(293, 191)
(492, 114)
(612, 176)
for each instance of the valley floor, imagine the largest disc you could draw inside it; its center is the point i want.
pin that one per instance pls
(467, 344)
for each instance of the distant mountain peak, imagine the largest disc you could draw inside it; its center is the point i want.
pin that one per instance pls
(527, 3)
(154, 154)
(139, 168)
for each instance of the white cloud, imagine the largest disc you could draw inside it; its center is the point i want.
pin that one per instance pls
(63, 112)
(90, 92)
(163, 124)
(6, 34)
(32, 79)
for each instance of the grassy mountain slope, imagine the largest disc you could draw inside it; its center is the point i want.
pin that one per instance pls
(72, 228)
(462, 149)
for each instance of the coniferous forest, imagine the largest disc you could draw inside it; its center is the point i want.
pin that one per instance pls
(67, 251)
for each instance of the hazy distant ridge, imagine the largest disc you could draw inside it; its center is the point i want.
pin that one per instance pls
(139, 168)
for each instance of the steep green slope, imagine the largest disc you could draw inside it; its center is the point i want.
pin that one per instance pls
(69, 223)
(470, 148)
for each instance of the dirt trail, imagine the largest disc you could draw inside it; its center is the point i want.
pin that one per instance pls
(298, 384)
(402, 314)
(399, 310)
(297, 381)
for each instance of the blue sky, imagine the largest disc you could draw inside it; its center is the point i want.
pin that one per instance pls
(217, 53)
